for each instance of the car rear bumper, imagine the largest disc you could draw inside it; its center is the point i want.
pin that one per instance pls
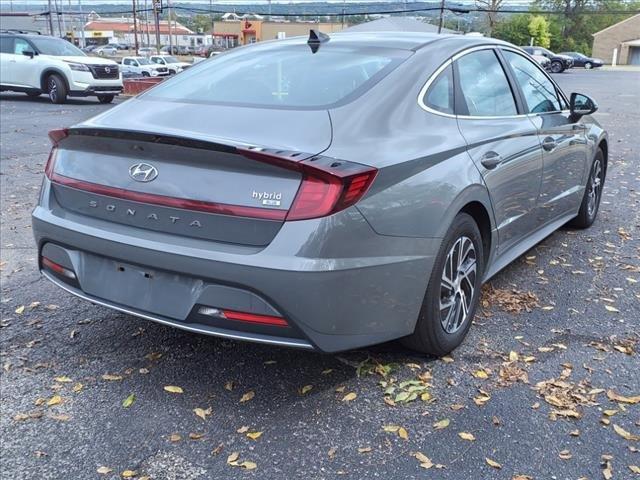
(337, 283)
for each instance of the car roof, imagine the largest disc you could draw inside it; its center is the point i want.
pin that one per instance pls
(398, 40)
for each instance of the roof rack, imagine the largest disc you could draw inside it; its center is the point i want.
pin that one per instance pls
(22, 32)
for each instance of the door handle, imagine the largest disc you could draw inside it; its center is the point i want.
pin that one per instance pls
(491, 160)
(549, 144)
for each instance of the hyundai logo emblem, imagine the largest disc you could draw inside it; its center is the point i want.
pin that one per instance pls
(143, 172)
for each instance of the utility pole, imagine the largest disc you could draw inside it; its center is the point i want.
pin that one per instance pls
(441, 16)
(135, 28)
(55, 2)
(83, 41)
(50, 20)
(157, 5)
(169, 25)
(146, 22)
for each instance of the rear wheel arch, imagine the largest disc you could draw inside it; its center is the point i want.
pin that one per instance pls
(480, 215)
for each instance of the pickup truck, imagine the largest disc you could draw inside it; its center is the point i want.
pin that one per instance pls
(143, 66)
(172, 63)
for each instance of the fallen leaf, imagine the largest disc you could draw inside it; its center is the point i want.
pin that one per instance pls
(635, 469)
(364, 449)
(480, 374)
(63, 379)
(129, 474)
(243, 429)
(402, 433)
(104, 470)
(565, 455)
(306, 389)
(624, 434)
(611, 309)
(425, 462)
(248, 465)
(127, 402)
(111, 378)
(20, 309)
(247, 396)
(173, 389)
(77, 387)
(349, 397)
(196, 436)
(493, 463)
(612, 395)
(202, 413)
(175, 437)
(55, 400)
(466, 436)
(444, 423)
(254, 435)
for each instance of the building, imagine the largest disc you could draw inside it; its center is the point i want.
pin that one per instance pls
(397, 24)
(120, 30)
(621, 41)
(232, 32)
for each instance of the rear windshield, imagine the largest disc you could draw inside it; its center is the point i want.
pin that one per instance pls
(288, 76)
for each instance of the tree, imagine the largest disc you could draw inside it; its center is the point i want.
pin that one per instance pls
(514, 29)
(492, 7)
(539, 30)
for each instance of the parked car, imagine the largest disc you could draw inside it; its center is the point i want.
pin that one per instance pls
(172, 63)
(185, 50)
(580, 60)
(170, 50)
(143, 66)
(559, 63)
(325, 200)
(37, 64)
(89, 48)
(544, 62)
(146, 51)
(105, 50)
(122, 46)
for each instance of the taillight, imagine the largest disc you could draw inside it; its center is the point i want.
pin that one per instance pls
(56, 136)
(328, 185)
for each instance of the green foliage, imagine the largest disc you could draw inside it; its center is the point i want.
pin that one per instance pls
(539, 30)
(514, 29)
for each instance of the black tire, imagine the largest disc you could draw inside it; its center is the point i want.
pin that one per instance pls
(592, 193)
(557, 67)
(57, 89)
(106, 98)
(146, 74)
(431, 335)
(172, 72)
(33, 94)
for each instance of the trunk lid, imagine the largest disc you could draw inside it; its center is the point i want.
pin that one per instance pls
(176, 168)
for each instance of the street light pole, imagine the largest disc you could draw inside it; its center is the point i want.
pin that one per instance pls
(156, 13)
(135, 28)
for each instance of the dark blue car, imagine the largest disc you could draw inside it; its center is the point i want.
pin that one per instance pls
(580, 60)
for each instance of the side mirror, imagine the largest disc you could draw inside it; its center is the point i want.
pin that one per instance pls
(29, 53)
(581, 105)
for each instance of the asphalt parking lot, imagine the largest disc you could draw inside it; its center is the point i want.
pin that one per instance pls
(546, 386)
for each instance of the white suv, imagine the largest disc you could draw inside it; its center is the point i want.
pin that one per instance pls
(172, 63)
(143, 66)
(36, 64)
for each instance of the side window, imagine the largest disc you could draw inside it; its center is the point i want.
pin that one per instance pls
(156, 60)
(440, 94)
(127, 61)
(539, 92)
(21, 45)
(6, 44)
(484, 85)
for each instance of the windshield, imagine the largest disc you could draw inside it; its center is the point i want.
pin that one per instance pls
(56, 46)
(288, 76)
(143, 61)
(171, 60)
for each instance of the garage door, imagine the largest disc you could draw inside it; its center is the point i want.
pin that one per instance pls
(634, 55)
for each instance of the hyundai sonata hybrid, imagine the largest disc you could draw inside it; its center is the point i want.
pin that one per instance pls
(324, 192)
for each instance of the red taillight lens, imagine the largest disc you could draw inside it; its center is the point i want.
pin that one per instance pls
(56, 136)
(327, 186)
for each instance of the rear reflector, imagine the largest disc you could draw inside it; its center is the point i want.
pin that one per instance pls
(57, 268)
(243, 316)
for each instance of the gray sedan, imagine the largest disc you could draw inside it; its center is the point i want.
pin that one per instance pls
(321, 193)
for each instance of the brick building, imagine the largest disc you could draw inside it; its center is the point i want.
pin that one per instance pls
(622, 38)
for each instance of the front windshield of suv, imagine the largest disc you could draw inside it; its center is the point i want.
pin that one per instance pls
(289, 76)
(171, 59)
(56, 47)
(143, 61)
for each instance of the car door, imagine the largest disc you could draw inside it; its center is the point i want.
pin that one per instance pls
(6, 60)
(502, 141)
(564, 142)
(25, 70)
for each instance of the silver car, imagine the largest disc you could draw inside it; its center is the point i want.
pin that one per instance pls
(321, 193)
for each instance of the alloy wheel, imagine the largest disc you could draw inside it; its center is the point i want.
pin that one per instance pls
(594, 188)
(587, 66)
(556, 67)
(457, 285)
(53, 90)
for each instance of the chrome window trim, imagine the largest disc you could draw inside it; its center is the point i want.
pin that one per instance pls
(449, 61)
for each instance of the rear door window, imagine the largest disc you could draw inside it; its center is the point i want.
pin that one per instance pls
(540, 93)
(6, 44)
(484, 86)
(291, 76)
